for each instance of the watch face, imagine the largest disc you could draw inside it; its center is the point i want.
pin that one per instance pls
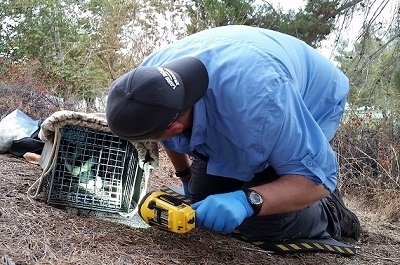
(255, 198)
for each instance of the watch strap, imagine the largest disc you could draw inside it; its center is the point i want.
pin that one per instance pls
(183, 173)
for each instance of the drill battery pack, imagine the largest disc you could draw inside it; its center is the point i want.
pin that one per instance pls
(167, 212)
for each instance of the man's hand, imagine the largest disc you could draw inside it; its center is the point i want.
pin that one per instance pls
(223, 212)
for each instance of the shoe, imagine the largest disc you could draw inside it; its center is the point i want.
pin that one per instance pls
(349, 223)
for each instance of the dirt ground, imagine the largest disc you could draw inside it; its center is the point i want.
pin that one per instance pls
(33, 232)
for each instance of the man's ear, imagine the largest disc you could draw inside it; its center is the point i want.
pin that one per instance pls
(179, 125)
(174, 129)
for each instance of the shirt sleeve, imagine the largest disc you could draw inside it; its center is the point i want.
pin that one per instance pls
(298, 144)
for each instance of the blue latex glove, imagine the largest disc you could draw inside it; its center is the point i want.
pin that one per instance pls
(223, 212)
(185, 186)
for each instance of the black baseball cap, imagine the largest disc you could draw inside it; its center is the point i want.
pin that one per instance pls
(142, 103)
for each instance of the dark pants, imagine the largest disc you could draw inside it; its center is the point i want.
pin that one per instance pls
(315, 221)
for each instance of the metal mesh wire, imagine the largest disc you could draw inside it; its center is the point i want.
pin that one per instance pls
(94, 170)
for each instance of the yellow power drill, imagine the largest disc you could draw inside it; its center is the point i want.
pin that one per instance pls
(162, 210)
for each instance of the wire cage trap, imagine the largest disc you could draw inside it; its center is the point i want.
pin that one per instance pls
(95, 170)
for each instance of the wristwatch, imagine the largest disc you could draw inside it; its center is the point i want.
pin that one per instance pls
(255, 200)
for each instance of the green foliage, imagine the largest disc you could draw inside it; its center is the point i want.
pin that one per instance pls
(56, 37)
(396, 80)
(80, 47)
(35, 29)
(373, 71)
(311, 24)
(211, 13)
(141, 30)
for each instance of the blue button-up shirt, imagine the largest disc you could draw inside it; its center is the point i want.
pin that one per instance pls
(272, 101)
